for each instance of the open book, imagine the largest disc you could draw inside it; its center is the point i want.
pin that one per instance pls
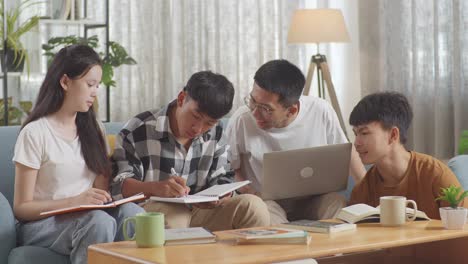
(136, 197)
(209, 195)
(366, 213)
(192, 235)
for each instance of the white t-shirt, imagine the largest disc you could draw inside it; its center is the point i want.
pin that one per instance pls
(62, 171)
(315, 125)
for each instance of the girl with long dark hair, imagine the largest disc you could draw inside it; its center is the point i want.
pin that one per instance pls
(61, 161)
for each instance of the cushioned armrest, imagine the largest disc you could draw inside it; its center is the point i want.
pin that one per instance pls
(459, 166)
(7, 229)
(111, 143)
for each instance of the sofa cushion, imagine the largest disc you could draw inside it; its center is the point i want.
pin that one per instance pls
(8, 137)
(459, 166)
(37, 255)
(113, 128)
(7, 229)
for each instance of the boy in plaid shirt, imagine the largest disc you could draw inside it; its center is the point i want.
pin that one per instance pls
(185, 135)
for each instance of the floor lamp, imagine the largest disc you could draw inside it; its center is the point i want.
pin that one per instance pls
(320, 26)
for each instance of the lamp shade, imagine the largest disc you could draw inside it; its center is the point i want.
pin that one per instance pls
(317, 26)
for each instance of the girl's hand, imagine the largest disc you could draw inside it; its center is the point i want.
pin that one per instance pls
(92, 196)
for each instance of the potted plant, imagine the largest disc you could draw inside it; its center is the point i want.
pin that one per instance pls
(453, 217)
(117, 54)
(16, 53)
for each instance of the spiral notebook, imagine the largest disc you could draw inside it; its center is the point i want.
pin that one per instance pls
(209, 195)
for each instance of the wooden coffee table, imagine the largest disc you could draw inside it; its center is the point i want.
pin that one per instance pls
(424, 241)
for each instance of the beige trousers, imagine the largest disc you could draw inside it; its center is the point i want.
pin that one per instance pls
(325, 206)
(240, 211)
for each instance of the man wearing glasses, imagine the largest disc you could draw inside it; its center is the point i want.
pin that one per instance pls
(277, 118)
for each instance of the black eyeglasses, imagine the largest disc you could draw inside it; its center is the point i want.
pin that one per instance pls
(251, 104)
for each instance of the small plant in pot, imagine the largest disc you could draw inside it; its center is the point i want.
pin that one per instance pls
(453, 217)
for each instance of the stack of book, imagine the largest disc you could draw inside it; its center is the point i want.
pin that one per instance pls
(265, 235)
(319, 226)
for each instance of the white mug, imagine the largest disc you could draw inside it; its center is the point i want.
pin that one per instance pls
(393, 210)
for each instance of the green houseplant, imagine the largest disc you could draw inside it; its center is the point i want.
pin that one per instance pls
(16, 53)
(452, 195)
(15, 114)
(117, 54)
(463, 143)
(453, 217)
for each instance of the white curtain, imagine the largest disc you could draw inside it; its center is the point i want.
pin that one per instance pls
(171, 40)
(420, 48)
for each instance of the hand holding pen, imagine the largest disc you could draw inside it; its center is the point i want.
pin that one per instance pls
(182, 180)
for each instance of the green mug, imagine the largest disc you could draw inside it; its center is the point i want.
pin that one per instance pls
(149, 229)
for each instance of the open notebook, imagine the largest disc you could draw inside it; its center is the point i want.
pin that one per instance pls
(209, 195)
(136, 197)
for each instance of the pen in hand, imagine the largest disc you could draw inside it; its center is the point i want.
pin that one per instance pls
(173, 172)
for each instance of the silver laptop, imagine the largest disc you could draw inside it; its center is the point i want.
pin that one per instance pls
(304, 172)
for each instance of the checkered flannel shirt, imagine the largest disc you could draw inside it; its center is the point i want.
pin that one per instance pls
(146, 150)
